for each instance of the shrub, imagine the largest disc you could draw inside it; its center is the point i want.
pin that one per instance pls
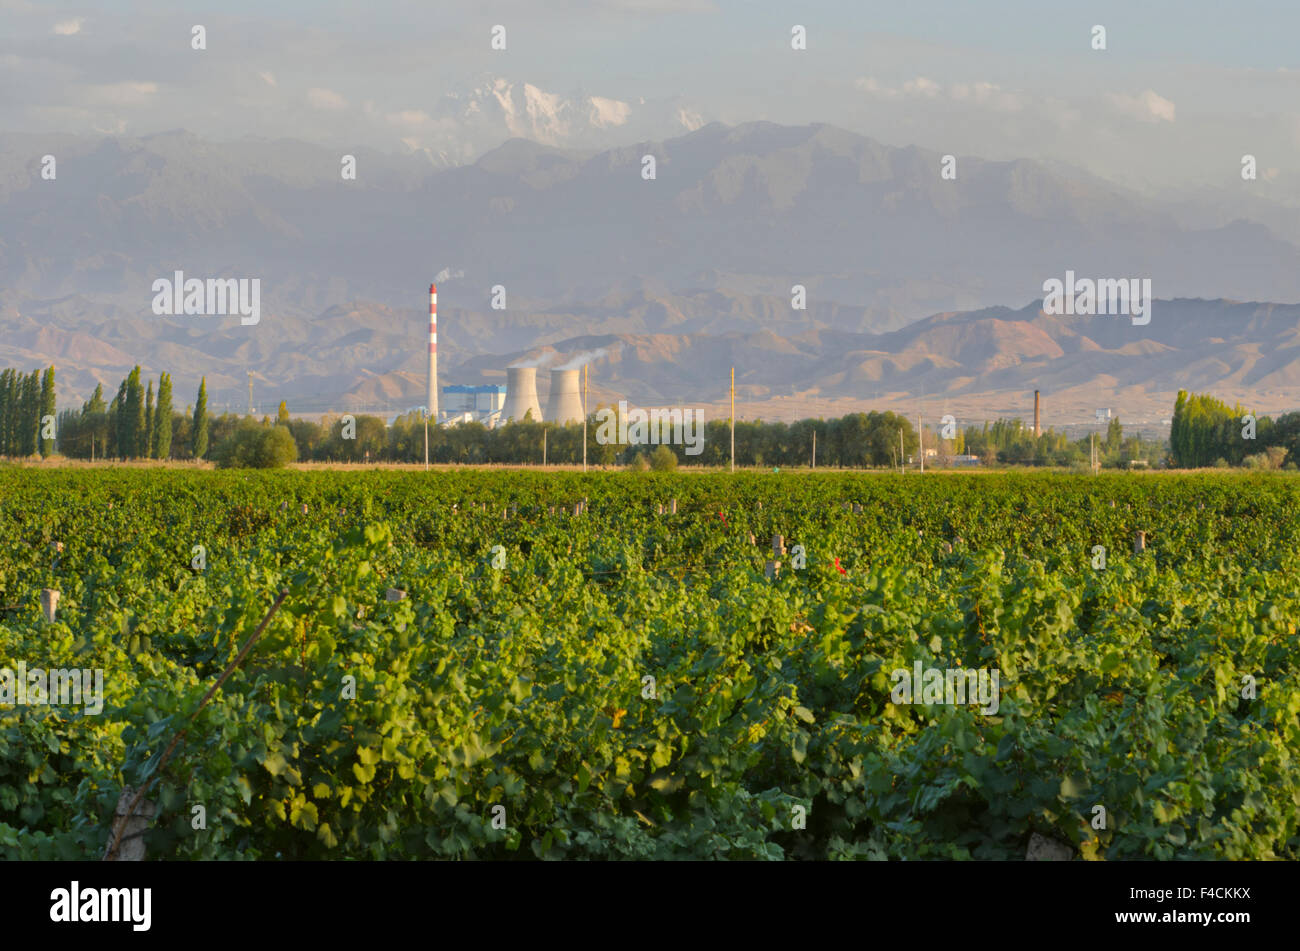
(256, 446)
(663, 459)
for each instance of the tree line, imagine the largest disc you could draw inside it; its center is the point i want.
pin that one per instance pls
(141, 422)
(27, 422)
(1011, 442)
(138, 423)
(1208, 432)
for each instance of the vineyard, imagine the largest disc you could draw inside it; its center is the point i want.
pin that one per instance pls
(533, 665)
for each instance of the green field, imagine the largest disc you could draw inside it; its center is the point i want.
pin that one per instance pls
(622, 683)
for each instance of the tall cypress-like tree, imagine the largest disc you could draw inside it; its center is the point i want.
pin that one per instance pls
(94, 415)
(6, 410)
(141, 426)
(146, 449)
(13, 412)
(130, 416)
(162, 418)
(199, 437)
(115, 433)
(48, 409)
(31, 420)
(1178, 430)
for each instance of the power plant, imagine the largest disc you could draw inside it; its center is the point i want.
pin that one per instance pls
(521, 395)
(431, 398)
(564, 404)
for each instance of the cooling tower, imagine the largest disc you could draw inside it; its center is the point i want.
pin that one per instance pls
(565, 403)
(521, 394)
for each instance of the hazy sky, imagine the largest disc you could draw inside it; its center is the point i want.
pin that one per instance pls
(1181, 92)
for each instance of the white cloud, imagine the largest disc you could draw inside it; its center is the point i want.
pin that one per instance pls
(121, 94)
(112, 127)
(410, 118)
(325, 99)
(267, 77)
(920, 86)
(988, 95)
(1148, 106)
(69, 27)
(983, 94)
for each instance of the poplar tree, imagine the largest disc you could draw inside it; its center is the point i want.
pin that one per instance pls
(146, 447)
(47, 409)
(131, 417)
(115, 433)
(31, 415)
(199, 437)
(162, 418)
(6, 408)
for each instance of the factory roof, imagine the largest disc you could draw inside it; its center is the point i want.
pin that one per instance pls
(485, 388)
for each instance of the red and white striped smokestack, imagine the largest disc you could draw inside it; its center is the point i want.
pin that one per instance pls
(431, 399)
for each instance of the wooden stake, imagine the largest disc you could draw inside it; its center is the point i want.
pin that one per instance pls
(49, 603)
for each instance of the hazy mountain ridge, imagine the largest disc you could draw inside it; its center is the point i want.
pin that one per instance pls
(689, 272)
(360, 357)
(858, 223)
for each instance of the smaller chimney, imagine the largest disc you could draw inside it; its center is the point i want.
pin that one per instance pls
(1038, 430)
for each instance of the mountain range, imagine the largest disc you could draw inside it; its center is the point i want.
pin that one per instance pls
(672, 279)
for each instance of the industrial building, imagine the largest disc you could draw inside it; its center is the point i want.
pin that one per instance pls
(479, 400)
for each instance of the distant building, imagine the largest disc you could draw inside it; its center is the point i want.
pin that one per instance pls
(479, 400)
(489, 420)
(966, 460)
(1103, 415)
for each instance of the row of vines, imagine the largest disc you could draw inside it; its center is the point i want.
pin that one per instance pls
(525, 665)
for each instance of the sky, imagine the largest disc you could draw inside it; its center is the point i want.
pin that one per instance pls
(1181, 92)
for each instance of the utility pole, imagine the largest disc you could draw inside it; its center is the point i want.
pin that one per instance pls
(733, 419)
(902, 459)
(814, 459)
(920, 435)
(584, 418)
(250, 392)
(426, 439)
(544, 446)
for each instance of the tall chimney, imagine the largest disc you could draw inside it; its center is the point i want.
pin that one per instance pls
(564, 404)
(1038, 430)
(431, 398)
